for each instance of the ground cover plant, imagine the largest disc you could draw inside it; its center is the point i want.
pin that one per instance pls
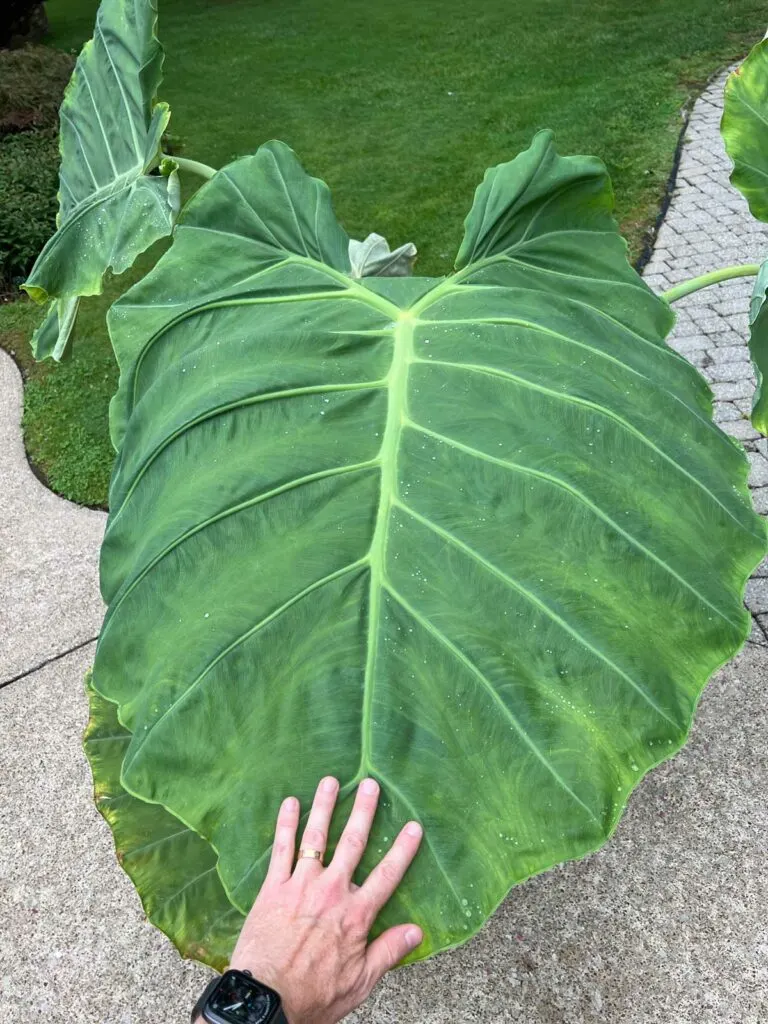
(402, 121)
(32, 81)
(474, 534)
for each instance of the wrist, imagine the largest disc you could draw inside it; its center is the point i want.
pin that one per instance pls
(267, 975)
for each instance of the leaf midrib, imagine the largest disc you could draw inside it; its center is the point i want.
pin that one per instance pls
(397, 387)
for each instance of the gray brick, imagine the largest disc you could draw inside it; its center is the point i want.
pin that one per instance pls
(741, 429)
(724, 412)
(758, 476)
(760, 501)
(729, 337)
(711, 324)
(756, 597)
(736, 389)
(729, 372)
(733, 307)
(656, 281)
(699, 357)
(731, 354)
(744, 405)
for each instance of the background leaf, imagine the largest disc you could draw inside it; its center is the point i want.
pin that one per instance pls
(745, 128)
(745, 132)
(373, 258)
(111, 207)
(758, 347)
(477, 537)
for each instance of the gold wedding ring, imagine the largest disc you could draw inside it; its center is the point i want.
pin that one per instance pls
(307, 851)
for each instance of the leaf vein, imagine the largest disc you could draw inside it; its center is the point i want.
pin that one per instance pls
(220, 410)
(427, 835)
(119, 81)
(460, 656)
(511, 465)
(541, 329)
(138, 742)
(65, 117)
(223, 514)
(609, 414)
(98, 118)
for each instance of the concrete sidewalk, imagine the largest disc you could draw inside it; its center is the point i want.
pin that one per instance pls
(666, 924)
(49, 550)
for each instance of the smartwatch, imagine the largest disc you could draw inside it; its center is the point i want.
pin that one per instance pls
(237, 998)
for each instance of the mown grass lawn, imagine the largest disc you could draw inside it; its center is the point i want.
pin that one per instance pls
(400, 106)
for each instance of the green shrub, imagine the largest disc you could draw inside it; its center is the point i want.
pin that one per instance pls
(29, 165)
(32, 82)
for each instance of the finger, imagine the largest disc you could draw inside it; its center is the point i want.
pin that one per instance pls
(316, 830)
(353, 839)
(390, 948)
(284, 845)
(388, 873)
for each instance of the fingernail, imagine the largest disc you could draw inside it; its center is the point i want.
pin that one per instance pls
(413, 828)
(329, 785)
(413, 937)
(290, 804)
(369, 786)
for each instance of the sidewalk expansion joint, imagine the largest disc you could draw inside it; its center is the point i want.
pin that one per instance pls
(48, 661)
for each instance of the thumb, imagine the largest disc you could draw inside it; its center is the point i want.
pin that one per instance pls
(390, 948)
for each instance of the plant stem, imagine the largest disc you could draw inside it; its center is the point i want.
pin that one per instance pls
(714, 277)
(194, 167)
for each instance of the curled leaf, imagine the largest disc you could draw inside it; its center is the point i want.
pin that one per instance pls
(373, 258)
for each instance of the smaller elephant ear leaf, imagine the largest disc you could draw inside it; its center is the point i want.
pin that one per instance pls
(745, 132)
(172, 867)
(112, 206)
(745, 129)
(758, 346)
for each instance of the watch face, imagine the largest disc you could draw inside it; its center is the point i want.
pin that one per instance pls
(240, 1000)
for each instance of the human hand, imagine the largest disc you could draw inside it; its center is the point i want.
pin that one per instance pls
(307, 933)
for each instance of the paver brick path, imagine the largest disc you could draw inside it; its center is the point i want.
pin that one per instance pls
(708, 226)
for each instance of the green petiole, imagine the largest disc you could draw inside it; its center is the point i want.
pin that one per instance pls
(705, 280)
(194, 167)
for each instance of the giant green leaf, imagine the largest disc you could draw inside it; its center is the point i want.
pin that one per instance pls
(745, 132)
(477, 537)
(173, 869)
(111, 205)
